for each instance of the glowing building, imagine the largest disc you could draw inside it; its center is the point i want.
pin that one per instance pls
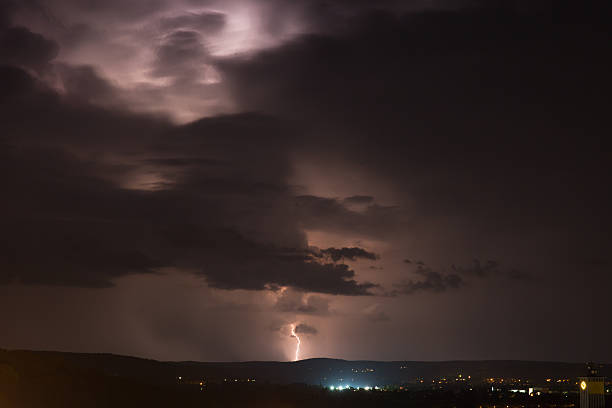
(592, 394)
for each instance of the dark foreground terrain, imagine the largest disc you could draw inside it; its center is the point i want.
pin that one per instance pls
(45, 379)
(98, 392)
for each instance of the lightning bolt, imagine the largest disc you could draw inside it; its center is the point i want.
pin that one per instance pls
(297, 347)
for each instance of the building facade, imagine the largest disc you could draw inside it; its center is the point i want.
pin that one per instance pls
(592, 392)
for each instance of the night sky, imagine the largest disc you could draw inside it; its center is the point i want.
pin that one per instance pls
(419, 180)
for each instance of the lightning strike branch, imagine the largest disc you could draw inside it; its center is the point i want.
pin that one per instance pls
(297, 348)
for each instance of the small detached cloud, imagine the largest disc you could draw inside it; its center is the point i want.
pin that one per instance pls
(478, 269)
(359, 199)
(375, 313)
(490, 269)
(429, 281)
(434, 281)
(303, 328)
(349, 253)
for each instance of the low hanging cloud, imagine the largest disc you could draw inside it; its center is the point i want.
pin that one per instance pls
(21, 47)
(304, 328)
(331, 214)
(292, 301)
(359, 199)
(257, 267)
(478, 269)
(434, 281)
(491, 269)
(349, 253)
(429, 281)
(376, 313)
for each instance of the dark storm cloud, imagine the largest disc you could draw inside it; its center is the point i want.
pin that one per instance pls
(458, 276)
(21, 47)
(240, 264)
(77, 229)
(83, 84)
(478, 269)
(303, 328)
(73, 221)
(429, 281)
(472, 113)
(63, 124)
(325, 213)
(6, 9)
(359, 199)
(475, 184)
(332, 16)
(67, 226)
(182, 162)
(395, 61)
(351, 254)
(478, 129)
(490, 269)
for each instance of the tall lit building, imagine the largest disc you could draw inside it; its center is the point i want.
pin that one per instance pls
(592, 394)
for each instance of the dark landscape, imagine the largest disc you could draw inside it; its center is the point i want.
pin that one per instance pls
(74, 379)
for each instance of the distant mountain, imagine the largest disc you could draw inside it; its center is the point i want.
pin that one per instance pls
(319, 371)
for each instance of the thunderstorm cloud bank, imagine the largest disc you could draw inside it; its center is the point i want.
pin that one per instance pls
(414, 167)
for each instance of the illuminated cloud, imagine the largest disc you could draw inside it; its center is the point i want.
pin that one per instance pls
(291, 301)
(286, 157)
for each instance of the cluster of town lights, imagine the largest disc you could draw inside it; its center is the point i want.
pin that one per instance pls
(348, 387)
